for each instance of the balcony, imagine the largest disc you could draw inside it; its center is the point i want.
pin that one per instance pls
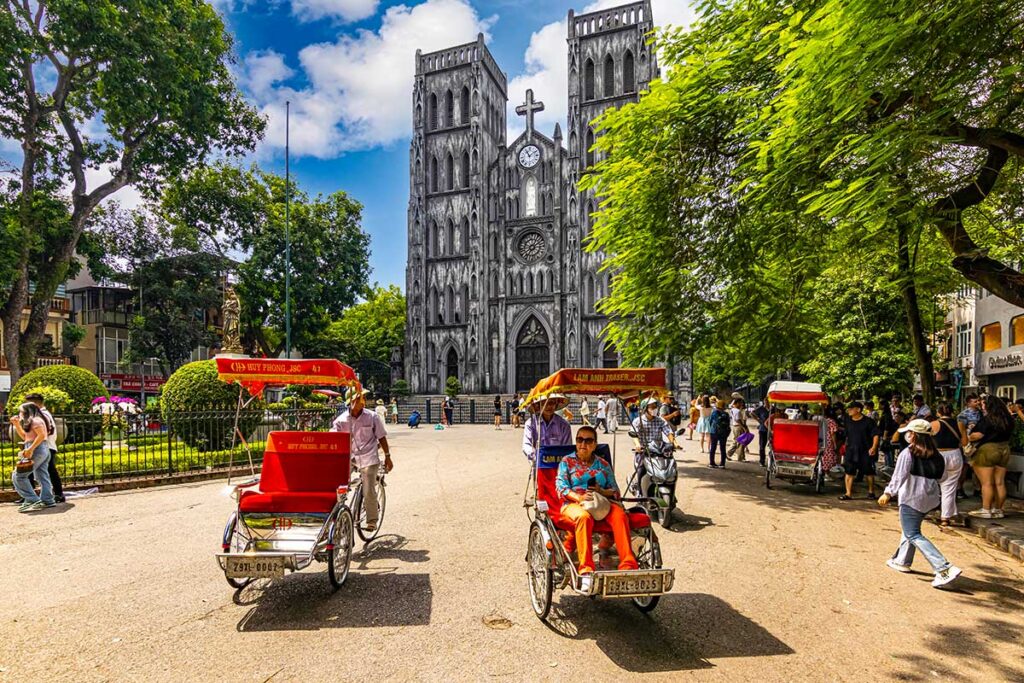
(41, 361)
(60, 305)
(100, 316)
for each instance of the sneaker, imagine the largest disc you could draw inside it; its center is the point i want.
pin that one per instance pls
(946, 576)
(32, 507)
(23, 506)
(586, 583)
(901, 568)
(998, 514)
(983, 513)
(50, 505)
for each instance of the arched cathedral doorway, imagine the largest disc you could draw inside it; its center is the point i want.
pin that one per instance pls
(533, 354)
(451, 365)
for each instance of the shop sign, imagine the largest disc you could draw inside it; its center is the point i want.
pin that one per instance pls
(122, 382)
(1005, 362)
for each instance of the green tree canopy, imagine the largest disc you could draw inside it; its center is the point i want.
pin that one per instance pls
(141, 88)
(370, 329)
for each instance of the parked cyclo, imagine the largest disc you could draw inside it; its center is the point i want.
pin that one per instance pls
(549, 564)
(298, 511)
(796, 446)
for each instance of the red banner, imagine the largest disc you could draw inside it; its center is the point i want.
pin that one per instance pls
(259, 372)
(623, 382)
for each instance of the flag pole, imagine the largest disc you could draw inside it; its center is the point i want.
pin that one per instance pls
(287, 235)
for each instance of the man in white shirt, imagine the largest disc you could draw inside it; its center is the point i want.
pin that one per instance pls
(51, 443)
(612, 409)
(602, 414)
(366, 433)
(738, 423)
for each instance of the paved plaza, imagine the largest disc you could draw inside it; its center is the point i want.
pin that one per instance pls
(775, 585)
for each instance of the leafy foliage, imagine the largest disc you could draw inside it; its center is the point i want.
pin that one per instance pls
(452, 387)
(78, 384)
(56, 400)
(195, 387)
(400, 388)
(370, 329)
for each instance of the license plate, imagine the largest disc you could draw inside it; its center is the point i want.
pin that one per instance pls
(254, 567)
(634, 584)
(794, 471)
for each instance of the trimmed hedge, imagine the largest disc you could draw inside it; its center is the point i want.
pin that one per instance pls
(195, 387)
(79, 384)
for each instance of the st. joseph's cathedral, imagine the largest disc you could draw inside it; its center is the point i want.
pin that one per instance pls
(499, 288)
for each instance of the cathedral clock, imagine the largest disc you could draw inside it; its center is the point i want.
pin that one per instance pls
(529, 156)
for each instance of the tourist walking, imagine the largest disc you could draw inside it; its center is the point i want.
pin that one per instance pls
(612, 412)
(738, 425)
(718, 431)
(394, 410)
(948, 441)
(51, 443)
(703, 422)
(497, 412)
(915, 484)
(34, 458)
(449, 410)
(991, 437)
(514, 409)
(861, 447)
(601, 419)
(381, 410)
(694, 417)
(585, 412)
(761, 414)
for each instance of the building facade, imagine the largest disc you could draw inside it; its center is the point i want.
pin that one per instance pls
(51, 352)
(999, 346)
(499, 289)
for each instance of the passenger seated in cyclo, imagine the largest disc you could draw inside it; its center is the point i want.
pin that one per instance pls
(579, 476)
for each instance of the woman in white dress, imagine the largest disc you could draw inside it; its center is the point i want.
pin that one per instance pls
(703, 424)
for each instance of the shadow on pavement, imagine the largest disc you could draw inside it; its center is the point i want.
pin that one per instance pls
(988, 643)
(388, 547)
(684, 632)
(682, 522)
(305, 602)
(60, 509)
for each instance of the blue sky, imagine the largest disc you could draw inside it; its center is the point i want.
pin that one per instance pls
(347, 68)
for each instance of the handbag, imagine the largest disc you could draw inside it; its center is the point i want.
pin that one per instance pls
(23, 466)
(745, 438)
(932, 467)
(597, 505)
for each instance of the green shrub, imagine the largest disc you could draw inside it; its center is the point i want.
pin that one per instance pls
(56, 400)
(400, 388)
(80, 385)
(452, 387)
(196, 388)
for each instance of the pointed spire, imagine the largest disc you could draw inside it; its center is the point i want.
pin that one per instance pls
(558, 131)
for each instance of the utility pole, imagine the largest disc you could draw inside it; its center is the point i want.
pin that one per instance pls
(287, 235)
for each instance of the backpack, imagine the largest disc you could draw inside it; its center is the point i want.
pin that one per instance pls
(719, 422)
(931, 467)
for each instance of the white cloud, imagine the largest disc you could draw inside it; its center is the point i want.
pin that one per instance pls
(359, 88)
(547, 69)
(128, 197)
(346, 10)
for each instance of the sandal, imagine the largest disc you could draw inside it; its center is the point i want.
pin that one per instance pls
(945, 523)
(845, 497)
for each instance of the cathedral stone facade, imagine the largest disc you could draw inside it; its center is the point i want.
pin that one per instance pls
(499, 288)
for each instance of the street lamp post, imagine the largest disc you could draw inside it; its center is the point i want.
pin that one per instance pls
(287, 235)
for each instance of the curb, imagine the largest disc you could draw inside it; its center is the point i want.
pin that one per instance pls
(1010, 540)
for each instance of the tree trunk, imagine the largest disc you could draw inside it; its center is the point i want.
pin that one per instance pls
(915, 326)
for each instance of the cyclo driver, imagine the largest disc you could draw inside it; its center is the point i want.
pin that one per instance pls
(366, 432)
(649, 428)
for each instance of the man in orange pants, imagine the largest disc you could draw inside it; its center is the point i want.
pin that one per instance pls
(579, 477)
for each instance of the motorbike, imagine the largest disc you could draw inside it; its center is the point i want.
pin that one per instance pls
(654, 477)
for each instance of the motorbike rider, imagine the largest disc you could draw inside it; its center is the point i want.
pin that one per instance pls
(649, 428)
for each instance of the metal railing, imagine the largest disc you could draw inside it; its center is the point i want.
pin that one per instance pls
(101, 449)
(41, 361)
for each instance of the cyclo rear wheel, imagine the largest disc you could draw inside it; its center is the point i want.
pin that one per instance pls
(539, 572)
(340, 558)
(649, 557)
(238, 543)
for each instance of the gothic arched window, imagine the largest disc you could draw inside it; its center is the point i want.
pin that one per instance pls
(432, 112)
(449, 238)
(433, 184)
(449, 172)
(590, 148)
(449, 305)
(464, 105)
(628, 72)
(465, 169)
(609, 76)
(449, 109)
(462, 315)
(432, 239)
(464, 236)
(530, 198)
(588, 80)
(494, 284)
(588, 301)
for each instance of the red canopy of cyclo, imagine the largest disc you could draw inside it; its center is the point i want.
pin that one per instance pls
(623, 382)
(256, 373)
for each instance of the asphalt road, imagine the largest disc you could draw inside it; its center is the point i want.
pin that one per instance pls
(776, 585)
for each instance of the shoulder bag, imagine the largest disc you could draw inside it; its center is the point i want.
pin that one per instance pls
(597, 505)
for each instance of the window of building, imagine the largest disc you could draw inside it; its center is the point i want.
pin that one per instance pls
(590, 148)
(1008, 392)
(588, 80)
(628, 73)
(432, 112)
(992, 337)
(465, 169)
(449, 109)
(964, 339)
(1017, 331)
(609, 76)
(464, 106)
(449, 172)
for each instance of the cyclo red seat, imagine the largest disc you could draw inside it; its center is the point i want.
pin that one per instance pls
(547, 472)
(796, 440)
(301, 473)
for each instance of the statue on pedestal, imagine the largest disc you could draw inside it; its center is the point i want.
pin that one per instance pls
(232, 340)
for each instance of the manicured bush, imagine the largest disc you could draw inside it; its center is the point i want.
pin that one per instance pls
(79, 384)
(200, 408)
(56, 400)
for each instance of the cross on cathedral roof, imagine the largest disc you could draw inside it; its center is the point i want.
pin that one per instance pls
(528, 109)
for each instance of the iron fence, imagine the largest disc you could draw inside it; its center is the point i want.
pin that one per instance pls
(100, 449)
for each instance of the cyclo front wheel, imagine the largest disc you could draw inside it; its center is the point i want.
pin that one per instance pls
(538, 565)
(340, 557)
(649, 557)
(360, 513)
